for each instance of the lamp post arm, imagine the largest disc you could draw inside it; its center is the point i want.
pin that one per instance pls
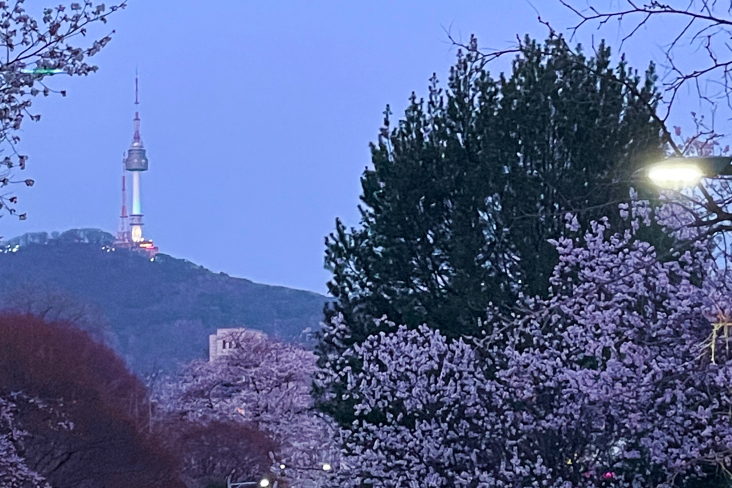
(713, 207)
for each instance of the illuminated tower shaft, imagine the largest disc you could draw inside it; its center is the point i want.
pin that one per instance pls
(136, 216)
(136, 204)
(136, 162)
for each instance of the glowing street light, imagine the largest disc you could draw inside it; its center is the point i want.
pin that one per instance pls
(263, 483)
(675, 175)
(327, 467)
(682, 172)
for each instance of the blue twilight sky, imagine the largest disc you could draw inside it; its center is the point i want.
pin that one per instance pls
(256, 116)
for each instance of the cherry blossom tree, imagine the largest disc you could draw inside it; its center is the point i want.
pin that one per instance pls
(14, 471)
(33, 49)
(264, 384)
(623, 377)
(615, 379)
(420, 412)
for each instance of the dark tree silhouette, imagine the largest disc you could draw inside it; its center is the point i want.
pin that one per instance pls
(210, 452)
(693, 36)
(470, 184)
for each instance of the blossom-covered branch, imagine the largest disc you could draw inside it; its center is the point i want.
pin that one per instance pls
(624, 380)
(264, 384)
(31, 50)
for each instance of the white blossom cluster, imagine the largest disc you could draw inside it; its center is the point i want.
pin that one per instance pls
(14, 471)
(266, 384)
(623, 378)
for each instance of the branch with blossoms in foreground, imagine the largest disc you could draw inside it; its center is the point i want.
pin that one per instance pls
(14, 470)
(33, 49)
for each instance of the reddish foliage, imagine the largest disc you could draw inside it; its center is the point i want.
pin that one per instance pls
(217, 449)
(81, 407)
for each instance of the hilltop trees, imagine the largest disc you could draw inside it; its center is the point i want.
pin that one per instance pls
(55, 305)
(468, 187)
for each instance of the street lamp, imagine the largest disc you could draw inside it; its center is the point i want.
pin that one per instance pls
(263, 483)
(681, 172)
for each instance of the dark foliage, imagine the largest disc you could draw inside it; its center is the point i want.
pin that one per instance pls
(210, 452)
(468, 187)
(83, 410)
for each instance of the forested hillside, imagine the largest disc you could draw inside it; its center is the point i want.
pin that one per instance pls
(159, 312)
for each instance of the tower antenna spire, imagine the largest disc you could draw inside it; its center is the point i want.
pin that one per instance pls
(136, 137)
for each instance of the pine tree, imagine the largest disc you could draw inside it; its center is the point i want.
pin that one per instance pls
(468, 187)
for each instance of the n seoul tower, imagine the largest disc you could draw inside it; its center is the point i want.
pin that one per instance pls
(135, 162)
